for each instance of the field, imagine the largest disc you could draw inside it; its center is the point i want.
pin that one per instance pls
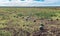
(26, 21)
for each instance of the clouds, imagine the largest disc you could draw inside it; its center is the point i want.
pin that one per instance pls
(29, 3)
(47, 3)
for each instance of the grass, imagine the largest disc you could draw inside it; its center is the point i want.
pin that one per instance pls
(12, 18)
(5, 33)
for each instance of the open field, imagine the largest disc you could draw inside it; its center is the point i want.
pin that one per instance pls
(26, 21)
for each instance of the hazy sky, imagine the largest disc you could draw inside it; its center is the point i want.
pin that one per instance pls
(29, 3)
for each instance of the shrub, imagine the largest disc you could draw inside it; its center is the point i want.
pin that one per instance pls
(20, 14)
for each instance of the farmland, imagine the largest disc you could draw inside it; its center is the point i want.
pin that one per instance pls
(26, 21)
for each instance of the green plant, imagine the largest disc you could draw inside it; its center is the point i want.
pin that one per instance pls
(20, 14)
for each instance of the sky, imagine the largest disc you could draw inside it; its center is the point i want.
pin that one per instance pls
(30, 3)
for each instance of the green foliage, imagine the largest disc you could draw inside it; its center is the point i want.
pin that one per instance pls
(20, 14)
